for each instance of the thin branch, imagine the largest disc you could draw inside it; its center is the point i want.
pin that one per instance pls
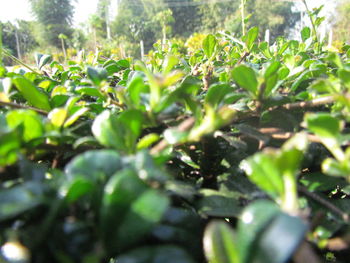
(20, 106)
(246, 54)
(6, 53)
(307, 104)
(303, 190)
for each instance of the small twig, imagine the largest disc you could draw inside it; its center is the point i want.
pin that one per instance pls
(308, 104)
(183, 126)
(246, 54)
(279, 134)
(118, 104)
(20, 106)
(6, 53)
(324, 202)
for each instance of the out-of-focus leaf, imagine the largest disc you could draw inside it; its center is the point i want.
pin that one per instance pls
(9, 147)
(129, 210)
(220, 243)
(254, 220)
(217, 204)
(29, 121)
(156, 254)
(118, 131)
(19, 199)
(58, 116)
(97, 75)
(96, 165)
(217, 93)
(279, 240)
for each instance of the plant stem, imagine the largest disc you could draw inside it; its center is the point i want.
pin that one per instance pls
(4, 51)
(19, 106)
(315, 37)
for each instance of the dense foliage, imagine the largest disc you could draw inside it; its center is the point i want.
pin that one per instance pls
(235, 153)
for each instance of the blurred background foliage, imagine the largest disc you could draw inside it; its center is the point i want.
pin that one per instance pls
(135, 26)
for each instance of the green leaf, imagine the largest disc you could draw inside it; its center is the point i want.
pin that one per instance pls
(58, 116)
(344, 75)
(169, 63)
(19, 199)
(29, 121)
(305, 33)
(32, 94)
(97, 165)
(77, 188)
(120, 132)
(263, 171)
(135, 87)
(279, 240)
(323, 124)
(42, 60)
(129, 210)
(251, 36)
(246, 78)
(217, 93)
(156, 254)
(147, 141)
(254, 220)
(220, 244)
(209, 45)
(144, 213)
(272, 69)
(97, 75)
(217, 204)
(90, 91)
(9, 147)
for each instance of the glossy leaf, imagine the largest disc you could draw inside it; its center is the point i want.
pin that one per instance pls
(245, 77)
(262, 170)
(254, 220)
(32, 94)
(279, 240)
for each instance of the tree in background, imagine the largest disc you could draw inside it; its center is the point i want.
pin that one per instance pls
(103, 7)
(277, 16)
(342, 25)
(55, 18)
(215, 15)
(18, 38)
(186, 18)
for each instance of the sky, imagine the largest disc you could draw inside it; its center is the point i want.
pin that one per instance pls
(20, 9)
